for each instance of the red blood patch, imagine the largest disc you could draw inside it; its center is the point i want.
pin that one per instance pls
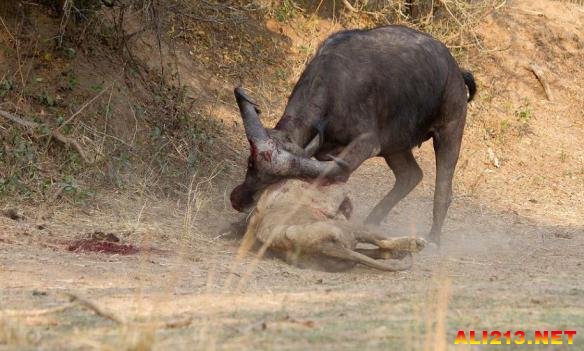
(253, 149)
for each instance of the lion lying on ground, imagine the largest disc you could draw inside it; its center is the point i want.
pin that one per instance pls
(307, 225)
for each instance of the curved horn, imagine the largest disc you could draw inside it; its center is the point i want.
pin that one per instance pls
(270, 158)
(313, 146)
(317, 141)
(249, 113)
(284, 163)
(338, 251)
(313, 168)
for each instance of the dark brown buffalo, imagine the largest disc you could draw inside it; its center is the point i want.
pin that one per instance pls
(366, 93)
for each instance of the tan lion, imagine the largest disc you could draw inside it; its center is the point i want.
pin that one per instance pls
(308, 226)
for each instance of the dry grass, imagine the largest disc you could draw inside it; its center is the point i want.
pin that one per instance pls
(147, 132)
(131, 132)
(137, 338)
(13, 332)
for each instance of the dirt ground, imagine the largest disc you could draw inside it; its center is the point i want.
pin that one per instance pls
(496, 271)
(511, 256)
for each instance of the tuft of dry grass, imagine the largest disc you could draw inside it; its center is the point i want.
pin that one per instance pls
(135, 338)
(437, 314)
(13, 332)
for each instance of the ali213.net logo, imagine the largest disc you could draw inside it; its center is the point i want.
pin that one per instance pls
(519, 337)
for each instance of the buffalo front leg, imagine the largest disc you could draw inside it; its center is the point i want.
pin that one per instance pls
(407, 175)
(358, 151)
(447, 141)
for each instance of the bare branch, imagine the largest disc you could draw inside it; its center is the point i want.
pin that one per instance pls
(37, 312)
(349, 6)
(179, 323)
(55, 134)
(84, 106)
(98, 310)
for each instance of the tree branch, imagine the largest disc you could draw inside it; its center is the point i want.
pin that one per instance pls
(96, 309)
(55, 134)
(349, 6)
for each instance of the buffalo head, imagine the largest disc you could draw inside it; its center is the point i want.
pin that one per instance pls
(273, 158)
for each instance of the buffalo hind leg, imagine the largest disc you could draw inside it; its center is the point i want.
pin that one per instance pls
(446, 142)
(407, 175)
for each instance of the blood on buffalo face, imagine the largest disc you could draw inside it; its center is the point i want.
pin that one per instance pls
(270, 160)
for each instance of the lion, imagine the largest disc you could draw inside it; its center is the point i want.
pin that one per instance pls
(307, 224)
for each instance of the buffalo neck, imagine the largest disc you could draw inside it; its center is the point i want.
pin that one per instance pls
(299, 124)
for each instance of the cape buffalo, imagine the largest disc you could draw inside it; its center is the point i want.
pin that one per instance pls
(365, 93)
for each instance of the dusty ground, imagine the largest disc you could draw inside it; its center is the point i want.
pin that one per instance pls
(496, 271)
(511, 257)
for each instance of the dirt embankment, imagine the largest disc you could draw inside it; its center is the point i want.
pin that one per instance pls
(523, 147)
(147, 96)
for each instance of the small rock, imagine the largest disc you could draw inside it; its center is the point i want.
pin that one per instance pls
(14, 214)
(101, 236)
(493, 158)
(564, 235)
